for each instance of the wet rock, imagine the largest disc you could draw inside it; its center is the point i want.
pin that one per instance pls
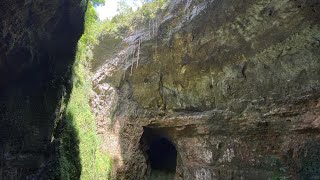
(234, 85)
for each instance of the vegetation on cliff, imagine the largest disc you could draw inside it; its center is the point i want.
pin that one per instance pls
(129, 20)
(79, 136)
(93, 162)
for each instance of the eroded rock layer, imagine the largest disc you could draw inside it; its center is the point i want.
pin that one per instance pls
(233, 85)
(37, 47)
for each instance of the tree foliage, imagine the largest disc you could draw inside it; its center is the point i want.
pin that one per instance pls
(129, 20)
(98, 2)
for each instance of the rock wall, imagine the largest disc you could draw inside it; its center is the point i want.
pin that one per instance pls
(233, 85)
(37, 48)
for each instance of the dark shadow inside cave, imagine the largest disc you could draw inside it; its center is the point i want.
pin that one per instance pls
(160, 153)
(163, 155)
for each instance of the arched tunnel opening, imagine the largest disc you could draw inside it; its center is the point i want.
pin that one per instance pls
(160, 153)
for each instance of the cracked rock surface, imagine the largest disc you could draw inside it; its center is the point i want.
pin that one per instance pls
(233, 85)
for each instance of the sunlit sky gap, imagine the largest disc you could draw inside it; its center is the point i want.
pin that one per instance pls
(110, 9)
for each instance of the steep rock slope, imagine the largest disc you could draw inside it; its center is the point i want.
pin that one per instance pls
(37, 47)
(232, 85)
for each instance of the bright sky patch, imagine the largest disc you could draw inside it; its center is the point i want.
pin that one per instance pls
(110, 9)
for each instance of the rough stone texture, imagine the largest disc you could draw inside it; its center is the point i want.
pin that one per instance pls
(37, 47)
(234, 85)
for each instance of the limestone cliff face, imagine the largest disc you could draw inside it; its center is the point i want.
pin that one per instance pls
(233, 85)
(37, 47)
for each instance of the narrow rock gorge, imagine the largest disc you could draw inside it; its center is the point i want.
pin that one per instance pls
(213, 90)
(198, 90)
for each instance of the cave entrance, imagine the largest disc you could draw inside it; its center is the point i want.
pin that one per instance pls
(160, 153)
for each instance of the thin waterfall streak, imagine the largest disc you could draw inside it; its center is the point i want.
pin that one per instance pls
(137, 65)
(132, 61)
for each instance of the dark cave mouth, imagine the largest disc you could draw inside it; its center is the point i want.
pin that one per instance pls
(159, 150)
(163, 155)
